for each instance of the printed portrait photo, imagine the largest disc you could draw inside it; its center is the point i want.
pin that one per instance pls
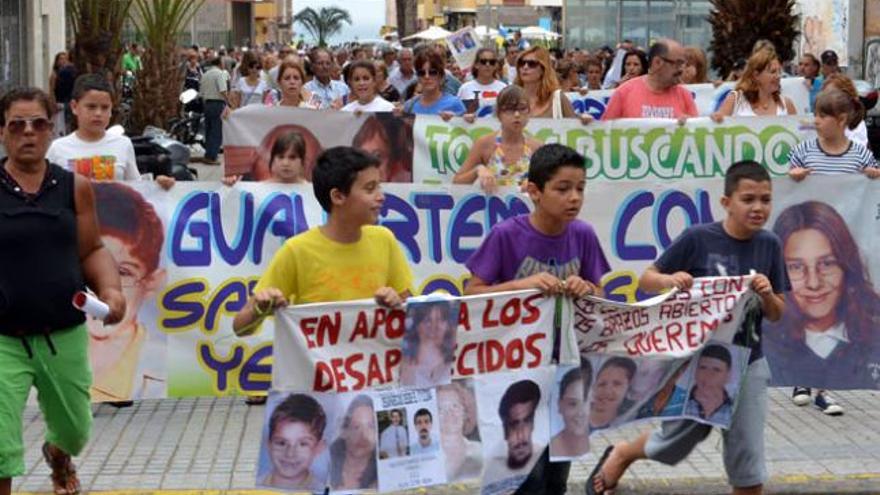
(569, 413)
(429, 343)
(393, 436)
(459, 433)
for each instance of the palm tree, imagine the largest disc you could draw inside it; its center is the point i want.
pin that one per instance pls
(738, 24)
(95, 26)
(324, 23)
(160, 79)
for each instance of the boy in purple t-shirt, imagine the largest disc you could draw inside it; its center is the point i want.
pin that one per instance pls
(548, 249)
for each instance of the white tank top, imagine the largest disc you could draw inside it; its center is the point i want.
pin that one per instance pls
(742, 107)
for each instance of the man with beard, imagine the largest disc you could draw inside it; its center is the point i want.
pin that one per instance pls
(659, 94)
(424, 422)
(517, 411)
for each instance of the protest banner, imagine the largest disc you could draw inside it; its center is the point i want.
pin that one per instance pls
(350, 346)
(827, 335)
(629, 149)
(708, 98)
(249, 134)
(212, 243)
(463, 45)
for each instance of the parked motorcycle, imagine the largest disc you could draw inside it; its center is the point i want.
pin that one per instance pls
(157, 153)
(189, 128)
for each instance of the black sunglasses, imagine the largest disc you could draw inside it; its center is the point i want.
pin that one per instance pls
(39, 124)
(487, 61)
(431, 72)
(531, 64)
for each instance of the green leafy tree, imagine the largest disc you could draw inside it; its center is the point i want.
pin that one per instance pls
(160, 79)
(324, 23)
(95, 26)
(738, 24)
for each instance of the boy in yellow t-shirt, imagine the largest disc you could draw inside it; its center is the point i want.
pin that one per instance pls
(347, 258)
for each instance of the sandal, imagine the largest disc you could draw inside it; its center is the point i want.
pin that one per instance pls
(64, 479)
(597, 471)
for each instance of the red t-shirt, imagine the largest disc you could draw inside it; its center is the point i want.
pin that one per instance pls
(634, 99)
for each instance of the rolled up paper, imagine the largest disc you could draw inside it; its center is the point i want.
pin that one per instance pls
(90, 305)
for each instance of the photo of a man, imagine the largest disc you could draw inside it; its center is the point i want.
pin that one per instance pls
(708, 399)
(424, 426)
(394, 438)
(511, 459)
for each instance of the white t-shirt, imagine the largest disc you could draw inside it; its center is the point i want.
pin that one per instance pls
(252, 95)
(378, 104)
(110, 158)
(475, 90)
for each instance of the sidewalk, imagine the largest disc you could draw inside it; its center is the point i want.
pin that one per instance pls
(211, 445)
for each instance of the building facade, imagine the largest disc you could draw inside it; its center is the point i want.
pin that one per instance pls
(31, 33)
(593, 23)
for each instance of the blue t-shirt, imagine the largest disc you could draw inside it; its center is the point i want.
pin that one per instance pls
(446, 103)
(702, 249)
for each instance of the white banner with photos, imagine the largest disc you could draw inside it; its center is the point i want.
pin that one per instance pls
(464, 389)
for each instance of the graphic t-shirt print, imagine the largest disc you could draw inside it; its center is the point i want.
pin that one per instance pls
(96, 167)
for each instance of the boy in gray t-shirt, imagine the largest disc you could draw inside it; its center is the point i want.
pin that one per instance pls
(735, 246)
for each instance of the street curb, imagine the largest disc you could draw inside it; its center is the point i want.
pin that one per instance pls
(795, 484)
(851, 484)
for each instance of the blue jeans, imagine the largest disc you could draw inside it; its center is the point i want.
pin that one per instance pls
(213, 127)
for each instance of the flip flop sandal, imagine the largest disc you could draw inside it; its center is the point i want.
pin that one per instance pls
(597, 471)
(63, 472)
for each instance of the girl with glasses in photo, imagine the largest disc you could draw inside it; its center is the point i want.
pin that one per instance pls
(830, 153)
(502, 158)
(827, 337)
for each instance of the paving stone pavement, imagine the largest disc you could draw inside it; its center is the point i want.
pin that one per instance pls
(212, 444)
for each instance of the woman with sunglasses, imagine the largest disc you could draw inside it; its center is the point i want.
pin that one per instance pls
(251, 88)
(485, 83)
(50, 249)
(502, 157)
(431, 72)
(535, 74)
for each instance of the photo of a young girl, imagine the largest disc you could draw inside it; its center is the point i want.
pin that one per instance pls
(388, 138)
(827, 335)
(287, 159)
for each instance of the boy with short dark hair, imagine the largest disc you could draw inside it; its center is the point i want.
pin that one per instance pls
(296, 439)
(347, 258)
(735, 246)
(90, 150)
(549, 249)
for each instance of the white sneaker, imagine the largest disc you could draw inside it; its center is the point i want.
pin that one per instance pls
(801, 396)
(828, 405)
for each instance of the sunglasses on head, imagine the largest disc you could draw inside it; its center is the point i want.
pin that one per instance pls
(531, 64)
(39, 124)
(487, 61)
(430, 72)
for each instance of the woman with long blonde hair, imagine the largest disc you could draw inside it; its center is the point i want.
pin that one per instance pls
(758, 92)
(535, 74)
